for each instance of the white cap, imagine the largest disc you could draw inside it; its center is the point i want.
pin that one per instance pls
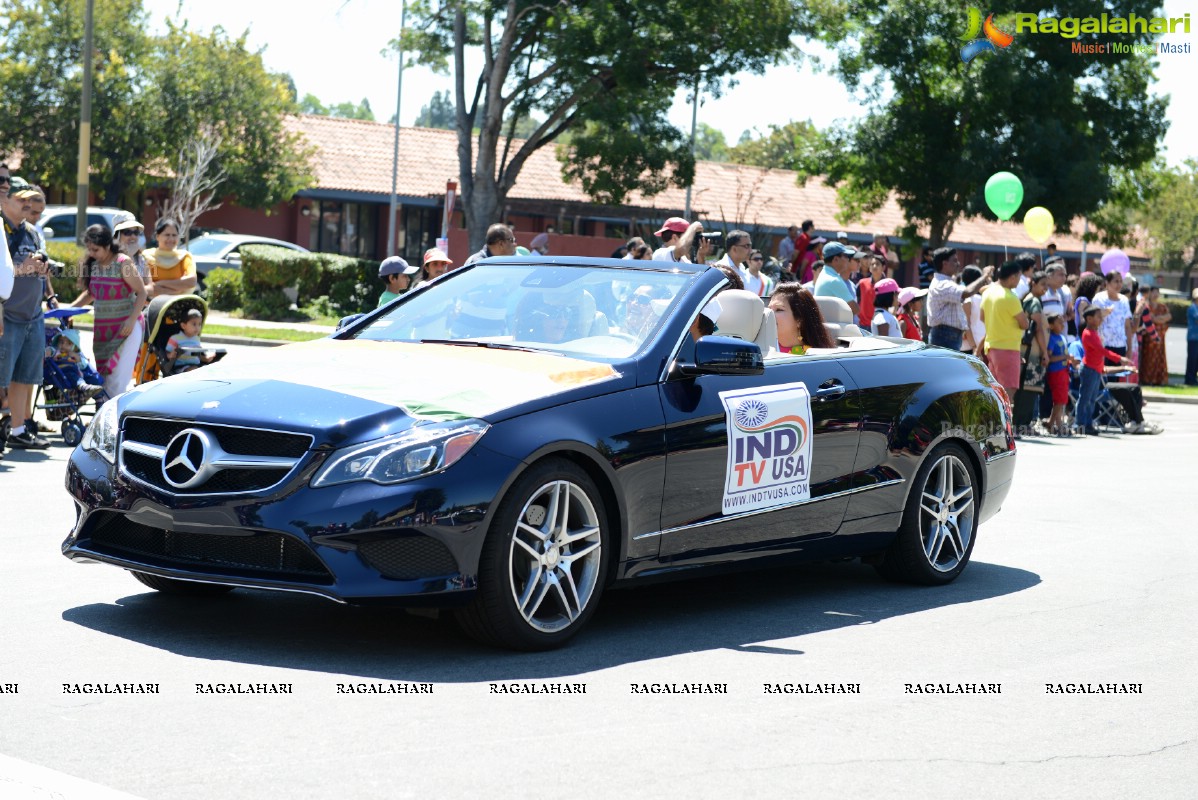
(712, 310)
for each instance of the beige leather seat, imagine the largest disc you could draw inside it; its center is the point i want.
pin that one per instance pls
(744, 315)
(838, 317)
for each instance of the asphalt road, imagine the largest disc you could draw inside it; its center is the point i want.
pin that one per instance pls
(1087, 576)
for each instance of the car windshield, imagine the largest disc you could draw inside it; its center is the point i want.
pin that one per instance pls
(207, 246)
(600, 313)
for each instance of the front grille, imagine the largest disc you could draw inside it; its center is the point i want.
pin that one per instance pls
(256, 554)
(409, 558)
(149, 470)
(240, 441)
(158, 433)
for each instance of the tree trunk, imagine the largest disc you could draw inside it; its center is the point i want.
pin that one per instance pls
(483, 207)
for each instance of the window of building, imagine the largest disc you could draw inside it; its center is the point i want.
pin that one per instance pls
(349, 229)
(419, 232)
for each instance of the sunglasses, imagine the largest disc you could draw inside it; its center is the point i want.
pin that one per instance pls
(757, 258)
(6, 179)
(130, 232)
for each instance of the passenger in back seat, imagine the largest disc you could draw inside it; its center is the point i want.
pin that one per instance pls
(800, 323)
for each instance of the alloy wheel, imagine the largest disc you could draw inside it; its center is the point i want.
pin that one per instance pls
(555, 556)
(946, 513)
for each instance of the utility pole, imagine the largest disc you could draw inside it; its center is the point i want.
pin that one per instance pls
(85, 126)
(694, 125)
(391, 243)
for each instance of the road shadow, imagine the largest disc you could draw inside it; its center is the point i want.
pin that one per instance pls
(736, 611)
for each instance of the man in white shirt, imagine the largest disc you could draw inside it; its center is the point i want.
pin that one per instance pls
(677, 235)
(737, 246)
(1027, 263)
(757, 283)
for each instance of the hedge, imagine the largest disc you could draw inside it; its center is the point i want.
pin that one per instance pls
(1177, 307)
(350, 285)
(224, 289)
(71, 255)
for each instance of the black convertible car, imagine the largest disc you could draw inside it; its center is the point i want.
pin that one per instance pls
(513, 437)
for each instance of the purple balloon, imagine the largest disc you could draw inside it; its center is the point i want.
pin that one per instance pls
(1115, 261)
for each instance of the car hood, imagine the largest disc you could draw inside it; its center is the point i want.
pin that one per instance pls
(354, 390)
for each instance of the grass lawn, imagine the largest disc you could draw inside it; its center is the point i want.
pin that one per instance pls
(279, 334)
(1174, 389)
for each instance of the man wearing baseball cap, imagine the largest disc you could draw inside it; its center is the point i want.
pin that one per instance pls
(833, 280)
(677, 235)
(397, 274)
(436, 263)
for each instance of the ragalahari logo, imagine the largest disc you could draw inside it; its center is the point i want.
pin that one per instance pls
(983, 37)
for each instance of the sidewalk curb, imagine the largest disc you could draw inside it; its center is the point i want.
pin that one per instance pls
(1154, 397)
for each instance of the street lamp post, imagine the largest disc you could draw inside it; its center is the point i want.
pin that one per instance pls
(694, 126)
(85, 126)
(391, 244)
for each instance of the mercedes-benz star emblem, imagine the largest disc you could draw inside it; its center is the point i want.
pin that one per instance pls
(184, 464)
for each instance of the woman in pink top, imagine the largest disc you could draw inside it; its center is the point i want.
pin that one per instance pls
(110, 281)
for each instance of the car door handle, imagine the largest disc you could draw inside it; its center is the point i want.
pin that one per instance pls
(829, 390)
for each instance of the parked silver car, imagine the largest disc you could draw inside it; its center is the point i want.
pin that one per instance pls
(58, 222)
(223, 250)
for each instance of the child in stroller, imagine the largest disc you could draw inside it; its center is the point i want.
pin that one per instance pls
(65, 351)
(176, 319)
(68, 381)
(184, 350)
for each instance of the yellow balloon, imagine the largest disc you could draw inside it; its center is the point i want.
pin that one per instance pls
(1038, 223)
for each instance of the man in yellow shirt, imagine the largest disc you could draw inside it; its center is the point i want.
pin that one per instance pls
(1005, 323)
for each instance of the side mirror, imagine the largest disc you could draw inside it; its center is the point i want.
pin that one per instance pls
(234, 256)
(48, 233)
(724, 355)
(345, 322)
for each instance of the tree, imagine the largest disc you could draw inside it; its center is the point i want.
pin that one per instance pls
(602, 71)
(794, 146)
(938, 127)
(150, 96)
(196, 182)
(40, 69)
(1172, 223)
(311, 105)
(438, 112)
(710, 144)
(214, 82)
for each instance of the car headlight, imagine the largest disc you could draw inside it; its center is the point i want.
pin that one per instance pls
(100, 435)
(414, 453)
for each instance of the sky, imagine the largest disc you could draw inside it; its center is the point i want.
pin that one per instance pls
(333, 50)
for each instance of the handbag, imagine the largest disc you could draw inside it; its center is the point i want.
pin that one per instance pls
(1034, 373)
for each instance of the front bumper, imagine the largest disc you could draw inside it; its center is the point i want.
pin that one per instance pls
(414, 543)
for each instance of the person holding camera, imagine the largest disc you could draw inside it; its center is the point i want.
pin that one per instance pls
(22, 332)
(677, 236)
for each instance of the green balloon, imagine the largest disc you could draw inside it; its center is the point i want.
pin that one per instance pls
(1004, 194)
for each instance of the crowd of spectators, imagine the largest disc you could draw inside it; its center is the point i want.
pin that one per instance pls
(1054, 342)
(116, 278)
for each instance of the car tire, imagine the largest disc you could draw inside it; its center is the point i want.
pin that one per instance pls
(542, 567)
(940, 521)
(181, 588)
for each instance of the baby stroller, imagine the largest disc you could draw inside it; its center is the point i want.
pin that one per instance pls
(162, 322)
(64, 401)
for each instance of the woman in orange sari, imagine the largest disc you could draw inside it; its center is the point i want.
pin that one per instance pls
(1154, 369)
